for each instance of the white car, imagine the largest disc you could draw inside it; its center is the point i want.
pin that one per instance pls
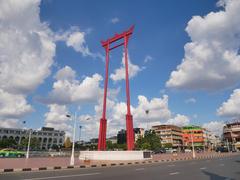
(187, 150)
(171, 150)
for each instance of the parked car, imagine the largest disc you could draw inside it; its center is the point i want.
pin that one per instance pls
(222, 149)
(160, 151)
(171, 150)
(187, 150)
(8, 152)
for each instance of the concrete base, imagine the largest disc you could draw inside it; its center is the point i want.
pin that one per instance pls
(114, 155)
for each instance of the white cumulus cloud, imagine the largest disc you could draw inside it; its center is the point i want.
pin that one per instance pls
(190, 100)
(13, 106)
(179, 120)
(230, 108)
(75, 38)
(56, 118)
(114, 20)
(119, 74)
(215, 127)
(212, 59)
(67, 89)
(26, 55)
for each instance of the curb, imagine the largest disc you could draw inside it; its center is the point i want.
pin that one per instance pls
(104, 165)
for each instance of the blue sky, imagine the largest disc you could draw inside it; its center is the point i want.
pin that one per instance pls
(160, 34)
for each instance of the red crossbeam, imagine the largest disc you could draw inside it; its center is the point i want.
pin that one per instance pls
(118, 36)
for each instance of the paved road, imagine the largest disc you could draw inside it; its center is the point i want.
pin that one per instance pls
(36, 162)
(227, 168)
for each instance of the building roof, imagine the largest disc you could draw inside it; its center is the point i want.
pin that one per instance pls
(166, 126)
(192, 127)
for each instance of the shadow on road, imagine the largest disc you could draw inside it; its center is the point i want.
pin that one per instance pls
(213, 176)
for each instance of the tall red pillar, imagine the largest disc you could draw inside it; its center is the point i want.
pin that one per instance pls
(129, 120)
(103, 120)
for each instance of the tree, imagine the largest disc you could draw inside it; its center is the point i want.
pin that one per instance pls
(8, 143)
(109, 145)
(168, 145)
(67, 143)
(55, 147)
(34, 143)
(146, 146)
(150, 141)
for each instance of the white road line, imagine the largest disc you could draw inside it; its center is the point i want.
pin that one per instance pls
(221, 164)
(139, 169)
(57, 177)
(171, 165)
(203, 168)
(174, 173)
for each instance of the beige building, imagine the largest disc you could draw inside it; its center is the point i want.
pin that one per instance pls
(138, 132)
(169, 134)
(231, 134)
(211, 141)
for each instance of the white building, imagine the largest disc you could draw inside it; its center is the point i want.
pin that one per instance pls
(46, 136)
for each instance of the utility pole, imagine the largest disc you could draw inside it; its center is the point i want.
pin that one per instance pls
(80, 127)
(193, 149)
(29, 141)
(73, 138)
(228, 145)
(147, 112)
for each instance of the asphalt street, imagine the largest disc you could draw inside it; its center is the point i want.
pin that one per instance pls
(227, 168)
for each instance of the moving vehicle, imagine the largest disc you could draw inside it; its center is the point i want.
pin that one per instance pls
(8, 152)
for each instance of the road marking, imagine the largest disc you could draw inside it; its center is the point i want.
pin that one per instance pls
(57, 177)
(171, 165)
(203, 168)
(139, 169)
(221, 164)
(174, 173)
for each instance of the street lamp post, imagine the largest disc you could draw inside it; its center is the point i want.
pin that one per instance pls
(29, 142)
(80, 127)
(228, 145)
(193, 149)
(147, 112)
(73, 139)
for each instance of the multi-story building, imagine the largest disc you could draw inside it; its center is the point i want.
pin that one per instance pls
(195, 134)
(211, 141)
(113, 139)
(169, 134)
(138, 132)
(47, 137)
(231, 134)
(121, 136)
